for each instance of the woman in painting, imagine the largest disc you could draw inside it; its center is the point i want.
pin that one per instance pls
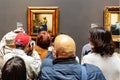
(44, 23)
(40, 25)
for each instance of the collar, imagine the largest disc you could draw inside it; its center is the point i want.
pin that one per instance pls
(64, 60)
(19, 51)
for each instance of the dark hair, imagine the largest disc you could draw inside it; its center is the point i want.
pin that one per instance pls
(20, 47)
(43, 39)
(101, 40)
(14, 69)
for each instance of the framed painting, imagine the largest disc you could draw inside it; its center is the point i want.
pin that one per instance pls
(112, 21)
(42, 18)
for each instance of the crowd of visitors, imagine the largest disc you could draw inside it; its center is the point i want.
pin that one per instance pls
(54, 57)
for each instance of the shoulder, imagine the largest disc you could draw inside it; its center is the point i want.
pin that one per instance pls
(88, 45)
(117, 54)
(91, 68)
(46, 62)
(94, 73)
(6, 57)
(46, 73)
(115, 59)
(92, 55)
(46, 70)
(35, 54)
(86, 49)
(91, 58)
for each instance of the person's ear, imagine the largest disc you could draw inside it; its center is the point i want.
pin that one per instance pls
(54, 53)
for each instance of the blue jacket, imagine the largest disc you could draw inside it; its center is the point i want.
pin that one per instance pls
(69, 69)
(48, 60)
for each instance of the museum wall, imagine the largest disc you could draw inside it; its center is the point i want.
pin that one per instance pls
(75, 16)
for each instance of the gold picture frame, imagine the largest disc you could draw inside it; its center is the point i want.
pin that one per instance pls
(42, 18)
(112, 21)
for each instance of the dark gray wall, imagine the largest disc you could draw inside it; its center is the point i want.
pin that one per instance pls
(75, 16)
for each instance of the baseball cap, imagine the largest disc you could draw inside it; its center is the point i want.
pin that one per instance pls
(22, 39)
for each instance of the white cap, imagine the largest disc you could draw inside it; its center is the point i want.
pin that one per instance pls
(9, 38)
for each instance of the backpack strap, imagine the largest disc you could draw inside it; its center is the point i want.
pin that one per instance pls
(84, 73)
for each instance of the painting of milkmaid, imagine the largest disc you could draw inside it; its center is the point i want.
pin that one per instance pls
(42, 22)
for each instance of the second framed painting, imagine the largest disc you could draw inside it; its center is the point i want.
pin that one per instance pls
(112, 21)
(42, 18)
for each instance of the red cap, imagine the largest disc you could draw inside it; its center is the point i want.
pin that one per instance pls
(22, 39)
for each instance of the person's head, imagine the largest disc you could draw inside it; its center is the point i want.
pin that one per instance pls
(22, 40)
(101, 39)
(64, 46)
(14, 69)
(9, 39)
(43, 39)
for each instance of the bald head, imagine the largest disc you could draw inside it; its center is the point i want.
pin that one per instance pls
(64, 46)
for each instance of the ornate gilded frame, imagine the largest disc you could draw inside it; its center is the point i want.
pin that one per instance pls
(111, 18)
(35, 15)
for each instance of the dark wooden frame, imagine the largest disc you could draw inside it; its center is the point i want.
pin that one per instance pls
(50, 11)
